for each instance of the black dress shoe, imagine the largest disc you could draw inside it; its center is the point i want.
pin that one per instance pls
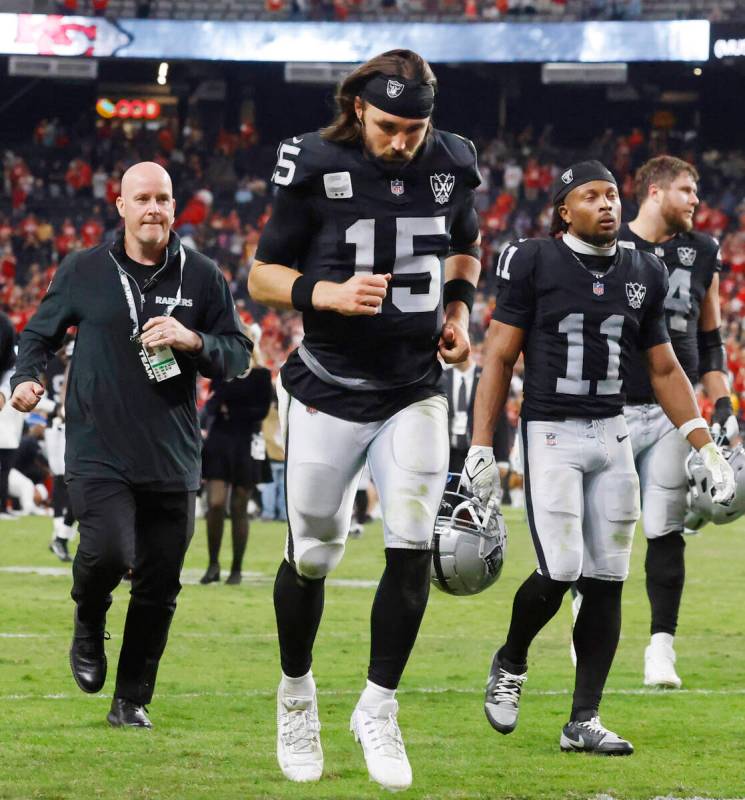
(88, 657)
(212, 575)
(234, 579)
(125, 713)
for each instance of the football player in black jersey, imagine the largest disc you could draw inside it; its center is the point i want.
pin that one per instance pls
(372, 215)
(666, 190)
(578, 307)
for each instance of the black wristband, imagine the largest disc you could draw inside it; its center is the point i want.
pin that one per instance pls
(459, 289)
(711, 354)
(473, 250)
(302, 292)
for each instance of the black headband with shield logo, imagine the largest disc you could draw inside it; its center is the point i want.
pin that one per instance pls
(577, 175)
(400, 96)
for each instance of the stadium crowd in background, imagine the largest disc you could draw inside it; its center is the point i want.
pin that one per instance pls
(58, 193)
(224, 203)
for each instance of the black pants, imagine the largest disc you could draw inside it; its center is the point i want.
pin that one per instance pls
(7, 457)
(123, 527)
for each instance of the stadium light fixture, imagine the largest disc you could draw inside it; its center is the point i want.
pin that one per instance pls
(697, 71)
(162, 73)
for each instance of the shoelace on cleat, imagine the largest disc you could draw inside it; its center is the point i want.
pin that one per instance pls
(385, 736)
(595, 726)
(507, 687)
(299, 730)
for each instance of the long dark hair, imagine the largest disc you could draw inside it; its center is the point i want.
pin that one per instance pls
(346, 127)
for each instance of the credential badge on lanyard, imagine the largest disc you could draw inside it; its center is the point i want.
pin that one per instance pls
(158, 361)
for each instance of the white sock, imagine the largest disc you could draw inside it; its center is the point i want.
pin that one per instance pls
(303, 686)
(373, 695)
(662, 639)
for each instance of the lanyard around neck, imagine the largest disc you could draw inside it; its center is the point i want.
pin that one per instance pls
(124, 279)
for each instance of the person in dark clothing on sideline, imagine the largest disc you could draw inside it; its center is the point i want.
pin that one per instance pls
(7, 359)
(234, 461)
(150, 314)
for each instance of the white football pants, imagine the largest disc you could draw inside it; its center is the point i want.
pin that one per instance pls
(408, 459)
(660, 453)
(581, 495)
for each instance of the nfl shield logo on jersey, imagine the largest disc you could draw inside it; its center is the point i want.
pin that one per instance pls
(635, 293)
(598, 288)
(686, 256)
(397, 187)
(442, 187)
(394, 88)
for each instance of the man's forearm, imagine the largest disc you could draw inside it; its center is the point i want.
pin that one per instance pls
(271, 284)
(675, 394)
(491, 396)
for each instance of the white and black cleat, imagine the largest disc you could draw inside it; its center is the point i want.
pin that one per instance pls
(502, 700)
(58, 546)
(592, 737)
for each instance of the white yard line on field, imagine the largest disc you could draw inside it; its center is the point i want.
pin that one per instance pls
(189, 577)
(413, 691)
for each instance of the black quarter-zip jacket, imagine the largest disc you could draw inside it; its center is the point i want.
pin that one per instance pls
(119, 425)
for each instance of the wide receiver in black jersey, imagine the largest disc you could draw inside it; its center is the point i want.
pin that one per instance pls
(578, 307)
(667, 194)
(369, 214)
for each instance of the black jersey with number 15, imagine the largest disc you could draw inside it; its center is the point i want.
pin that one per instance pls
(580, 327)
(692, 259)
(338, 213)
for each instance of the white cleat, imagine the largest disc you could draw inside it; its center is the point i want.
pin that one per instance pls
(299, 750)
(659, 666)
(380, 737)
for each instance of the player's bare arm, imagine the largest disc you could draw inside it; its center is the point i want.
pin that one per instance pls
(361, 294)
(713, 364)
(503, 346)
(502, 349)
(454, 345)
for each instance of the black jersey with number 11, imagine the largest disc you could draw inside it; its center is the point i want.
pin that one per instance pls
(581, 328)
(338, 213)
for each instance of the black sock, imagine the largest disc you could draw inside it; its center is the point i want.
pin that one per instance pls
(239, 525)
(397, 612)
(665, 567)
(535, 603)
(596, 635)
(298, 605)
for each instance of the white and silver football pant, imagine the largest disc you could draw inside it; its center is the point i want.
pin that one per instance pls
(408, 459)
(660, 453)
(581, 495)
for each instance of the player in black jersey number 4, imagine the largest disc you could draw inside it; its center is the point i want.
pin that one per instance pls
(368, 215)
(667, 193)
(578, 307)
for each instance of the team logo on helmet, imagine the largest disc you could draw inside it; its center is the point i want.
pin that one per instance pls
(397, 187)
(442, 187)
(635, 292)
(394, 89)
(686, 256)
(567, 177)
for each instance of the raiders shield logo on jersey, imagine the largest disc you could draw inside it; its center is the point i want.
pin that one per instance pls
(394, 88)
(686, 256)
(397, 187)
(568, 177)
(635, 293)
(442, 187)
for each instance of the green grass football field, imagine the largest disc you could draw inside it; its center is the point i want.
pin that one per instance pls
(214, 705)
